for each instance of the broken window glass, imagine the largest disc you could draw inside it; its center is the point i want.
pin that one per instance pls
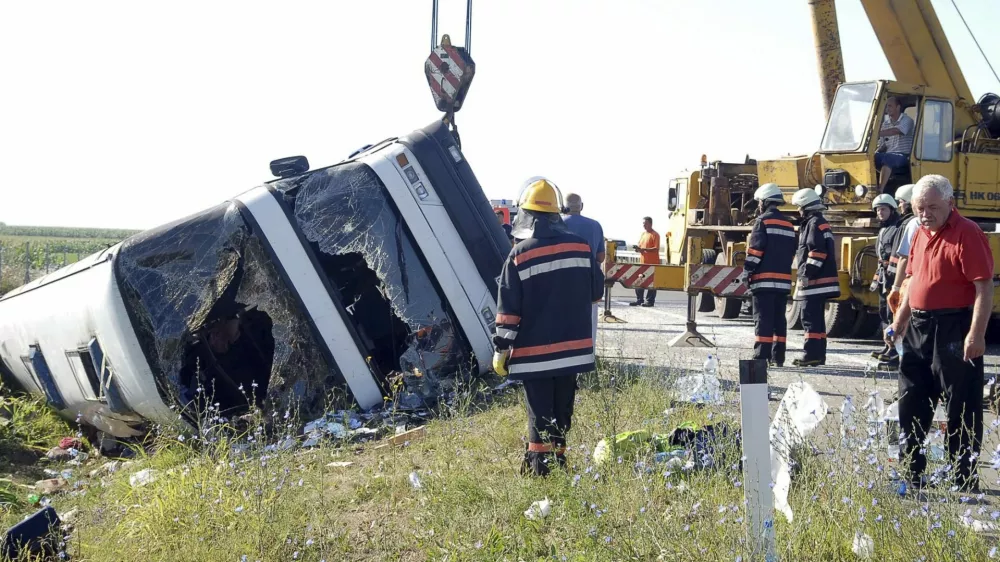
(370, 258)
(216, 322)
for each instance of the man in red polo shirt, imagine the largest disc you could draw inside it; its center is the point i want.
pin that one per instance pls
(942, 321)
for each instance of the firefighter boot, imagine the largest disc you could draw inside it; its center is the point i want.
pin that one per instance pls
(536, 464)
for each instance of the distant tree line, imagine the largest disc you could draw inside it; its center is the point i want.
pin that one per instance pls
(66, 232)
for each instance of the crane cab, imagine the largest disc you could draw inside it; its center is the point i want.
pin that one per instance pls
(946, 141)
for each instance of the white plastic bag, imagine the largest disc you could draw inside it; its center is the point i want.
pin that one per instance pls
(799, 413)
(539, 510)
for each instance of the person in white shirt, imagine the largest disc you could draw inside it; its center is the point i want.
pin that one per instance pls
(895, 142)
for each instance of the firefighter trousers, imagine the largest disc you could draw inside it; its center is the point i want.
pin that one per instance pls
(886, 316)
(933, 368)
(769, 326)
(550, 415)
(814, 324)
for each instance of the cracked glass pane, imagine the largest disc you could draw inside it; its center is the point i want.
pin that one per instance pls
(370, 257)
(215, 320)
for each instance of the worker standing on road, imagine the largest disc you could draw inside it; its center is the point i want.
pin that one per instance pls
(543, 325)
(591, 231)
(817, 275)
(769, 260)
(649, 252)
(503, 224)
(942, 322)
(901, 246)
(889, 220)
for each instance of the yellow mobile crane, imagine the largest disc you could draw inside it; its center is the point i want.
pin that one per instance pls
(712, 210)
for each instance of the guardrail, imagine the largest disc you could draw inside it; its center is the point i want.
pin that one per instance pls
(628, 256)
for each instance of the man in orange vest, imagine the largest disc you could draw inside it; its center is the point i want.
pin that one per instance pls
(649, 252)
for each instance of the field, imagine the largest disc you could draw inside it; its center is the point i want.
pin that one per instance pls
(35, 250)
(225, 496)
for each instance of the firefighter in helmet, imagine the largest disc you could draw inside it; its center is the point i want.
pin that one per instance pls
(768, 264)
(543, 335)
(889, 220)
(817, 274)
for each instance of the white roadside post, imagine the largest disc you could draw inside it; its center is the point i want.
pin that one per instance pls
(755, 425)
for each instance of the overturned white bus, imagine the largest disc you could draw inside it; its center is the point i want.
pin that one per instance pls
(384, 264)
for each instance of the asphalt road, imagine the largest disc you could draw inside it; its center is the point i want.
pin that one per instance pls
(645, 335)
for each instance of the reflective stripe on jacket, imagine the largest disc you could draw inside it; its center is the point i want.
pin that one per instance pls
(896, 241)
(817, 260)
(770, 250)
(547, 288)
(884, 248)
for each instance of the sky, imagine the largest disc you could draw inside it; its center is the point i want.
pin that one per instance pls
(132, 114)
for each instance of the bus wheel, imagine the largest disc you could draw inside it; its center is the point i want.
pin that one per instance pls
(706, 303)
(840, 317)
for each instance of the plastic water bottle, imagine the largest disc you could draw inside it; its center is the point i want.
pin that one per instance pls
(848, 439)
(892, 430)
(711, 367)
(935, 447)
(897, 342)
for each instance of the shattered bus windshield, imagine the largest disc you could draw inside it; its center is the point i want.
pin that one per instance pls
(372, 262)
(215, 320)
(849, 118)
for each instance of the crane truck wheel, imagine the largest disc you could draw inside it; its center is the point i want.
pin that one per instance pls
(706, 303)
(840, 318)
(866, 325)
(793, 314)
(727, 309)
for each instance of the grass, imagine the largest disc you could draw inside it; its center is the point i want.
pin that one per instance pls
(211, 503)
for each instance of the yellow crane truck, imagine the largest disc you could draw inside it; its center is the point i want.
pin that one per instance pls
(712, 209)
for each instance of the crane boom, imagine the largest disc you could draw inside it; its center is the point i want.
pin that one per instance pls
(918, 50)
(827, 37)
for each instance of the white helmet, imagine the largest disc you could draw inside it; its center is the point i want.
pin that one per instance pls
(884, 199)
(769, 191)
(905, 193)
(806, 198)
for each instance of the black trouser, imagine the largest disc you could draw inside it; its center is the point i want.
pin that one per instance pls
(650, 296)
(933, 367)
(814, 323)
(769, 326)
(550, 415)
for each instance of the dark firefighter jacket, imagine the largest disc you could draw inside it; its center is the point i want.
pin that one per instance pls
(904, 222)
(884, 246)
(817, 259)
(548, 285)
(770, 252)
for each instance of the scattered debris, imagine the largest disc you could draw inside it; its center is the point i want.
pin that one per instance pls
(69, 443)
(58, 454)
(51, 485)
(539, 510)
(406, 437)
(863, 545)
(143, 477)
(980, 526)
(340, 464)
(70, 516)
(36, 535)
(689, 444)
(106, 469)
(415, 481)
(702, 388)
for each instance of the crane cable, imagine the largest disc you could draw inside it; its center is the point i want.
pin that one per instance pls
(974, 40)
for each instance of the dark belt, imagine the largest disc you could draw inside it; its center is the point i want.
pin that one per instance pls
(939, 312)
